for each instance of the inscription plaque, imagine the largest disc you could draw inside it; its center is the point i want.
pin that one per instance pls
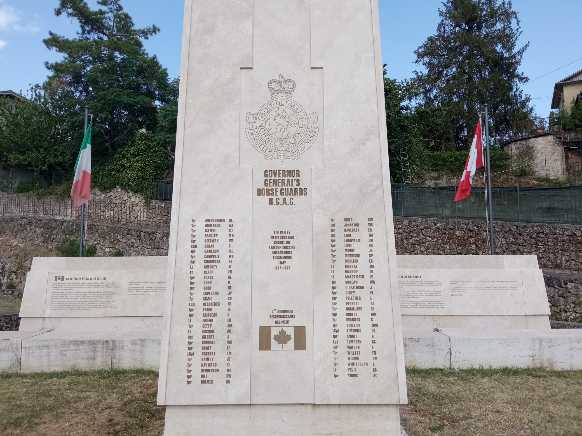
(483, 293)
(121, 296)
(81, 294)
(462, 292)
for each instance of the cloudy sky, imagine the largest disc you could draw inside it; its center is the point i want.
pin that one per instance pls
(551, 26)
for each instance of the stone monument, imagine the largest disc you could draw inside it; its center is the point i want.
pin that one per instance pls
(106, 296)
(283, 313)
(483, 293)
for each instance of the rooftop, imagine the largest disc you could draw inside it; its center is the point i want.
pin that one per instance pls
(559, 86)
(11, 94)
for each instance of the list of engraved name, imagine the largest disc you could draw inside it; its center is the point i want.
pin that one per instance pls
(354, 319)
(210, 302)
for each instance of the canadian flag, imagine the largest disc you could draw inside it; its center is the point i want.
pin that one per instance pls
(474, 162)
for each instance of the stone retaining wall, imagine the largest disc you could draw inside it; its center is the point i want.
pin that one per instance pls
(565, 295)
(116, 207)
(557, 246)
(138, 240)
(23, 238)
(9, 323)
(9, 285)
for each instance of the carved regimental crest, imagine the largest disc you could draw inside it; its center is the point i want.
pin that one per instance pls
(282, 129)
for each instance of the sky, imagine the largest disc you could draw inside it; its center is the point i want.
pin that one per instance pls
(551, 27)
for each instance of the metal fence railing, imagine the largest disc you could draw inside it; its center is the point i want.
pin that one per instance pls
(527, 205)
(101, 210)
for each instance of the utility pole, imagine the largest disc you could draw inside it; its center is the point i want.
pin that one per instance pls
(489, 191)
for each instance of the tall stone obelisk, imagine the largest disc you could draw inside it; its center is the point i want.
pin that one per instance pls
(284, 315)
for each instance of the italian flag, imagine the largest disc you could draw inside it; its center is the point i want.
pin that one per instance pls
(81, 190)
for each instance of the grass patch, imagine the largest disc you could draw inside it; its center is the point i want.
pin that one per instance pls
(474, 402)
(96, 403)
(494, 402)
(9, 305)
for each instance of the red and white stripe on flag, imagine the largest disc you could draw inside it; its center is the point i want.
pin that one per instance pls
(81, 190)
(474, 162)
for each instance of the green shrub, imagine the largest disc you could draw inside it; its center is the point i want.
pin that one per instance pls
(136, 167)
(25, 187)
(453, 162)
(62, 190)
(573, 119)
(117, 253)
(70, 248)
(34, 134)
(521, 169)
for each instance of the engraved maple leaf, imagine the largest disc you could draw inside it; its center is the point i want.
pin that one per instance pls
(282, 338)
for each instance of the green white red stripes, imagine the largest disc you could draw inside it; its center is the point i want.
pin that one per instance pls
(81, 190)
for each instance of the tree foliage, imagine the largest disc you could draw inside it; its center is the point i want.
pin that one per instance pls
(167, 122)
(452, 162)
(70, 248)
(106, 68)
(136, 167)
(572, 120)
(404, 142)
(33, 135)
(473, 59)
(411, 153)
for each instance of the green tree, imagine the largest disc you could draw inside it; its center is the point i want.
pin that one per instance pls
(404, 141)
(136, 167)
(167, 123)
(106, 68)
(576, 115)
(32, 135)
(435, 127)
(572, 120)
(474, 59)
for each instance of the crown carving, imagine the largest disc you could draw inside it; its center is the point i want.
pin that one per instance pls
(282, 85)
